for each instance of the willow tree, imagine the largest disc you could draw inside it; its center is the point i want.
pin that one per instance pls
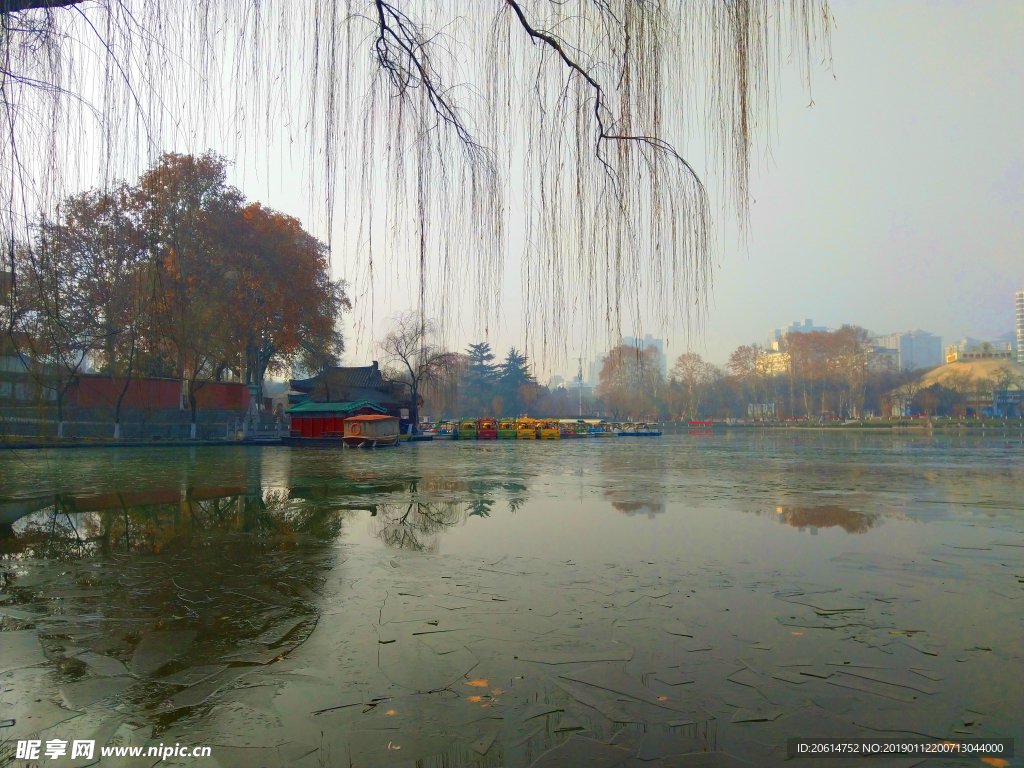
(422, 124)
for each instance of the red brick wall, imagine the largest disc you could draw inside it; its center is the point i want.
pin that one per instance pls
(154, 394)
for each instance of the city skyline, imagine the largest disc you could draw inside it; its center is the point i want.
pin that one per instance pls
(591, 365)
(933, 357)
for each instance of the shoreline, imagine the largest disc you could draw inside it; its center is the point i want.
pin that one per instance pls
(961, 430)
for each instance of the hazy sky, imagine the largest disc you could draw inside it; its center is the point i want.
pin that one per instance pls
(894, 203)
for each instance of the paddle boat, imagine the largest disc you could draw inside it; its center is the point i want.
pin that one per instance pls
(526, 429)
(467, 430)
(549, 430)
(446, 430)
(572, 428)
(486, 429)
(640, 429)
(507, 429)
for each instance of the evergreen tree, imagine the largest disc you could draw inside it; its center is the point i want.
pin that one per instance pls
(481, 376)
(513, 375)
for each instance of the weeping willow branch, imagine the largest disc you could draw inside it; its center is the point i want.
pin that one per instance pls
(599, 96)
(431, 136)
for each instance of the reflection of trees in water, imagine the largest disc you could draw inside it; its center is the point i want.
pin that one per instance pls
(631, 508)
(641, 491)
(77, 525)
(239, 573)
(825, 516)
(416, 525)
(480, 507)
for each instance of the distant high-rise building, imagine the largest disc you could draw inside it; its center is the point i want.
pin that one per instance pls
(807, 326)
(1008, 340)
(964, 344)
(1020, 327)
(917, 349)
(883, 359)
(650, 341)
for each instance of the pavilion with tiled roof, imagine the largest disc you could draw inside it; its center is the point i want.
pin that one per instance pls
(340, 392)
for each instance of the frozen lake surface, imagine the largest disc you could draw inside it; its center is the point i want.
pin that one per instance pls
(592, 602)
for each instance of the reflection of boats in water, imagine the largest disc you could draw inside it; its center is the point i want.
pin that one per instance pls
(526, 429)
(486, 429)
(507, 429)
(371, 431)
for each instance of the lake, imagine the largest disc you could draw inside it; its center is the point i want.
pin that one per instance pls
(677, 601)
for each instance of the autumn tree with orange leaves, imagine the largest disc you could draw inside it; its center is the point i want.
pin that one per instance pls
(180, 276)
(242, 289)
(630, 382)
(284, 304)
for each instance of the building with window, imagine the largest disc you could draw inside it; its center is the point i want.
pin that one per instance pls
(916, 349)
(883, 359)
(807, 326)
(1020, 327)
(773, 363)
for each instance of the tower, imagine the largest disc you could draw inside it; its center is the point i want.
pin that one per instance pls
(1020, 327)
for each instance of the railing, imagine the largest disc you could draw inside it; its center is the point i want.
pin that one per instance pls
(219, 426)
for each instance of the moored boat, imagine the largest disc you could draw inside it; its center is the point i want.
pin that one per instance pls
(549, 430)
(571, 429)
(373, 431)
(507, 429)
(466, 430)
(486, 429)
(526, 429)
(640, 429)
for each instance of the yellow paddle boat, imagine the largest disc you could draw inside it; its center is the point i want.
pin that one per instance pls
(526, 429)
(549, 430)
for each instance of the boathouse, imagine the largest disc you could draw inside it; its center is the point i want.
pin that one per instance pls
(311, 419)
(342, 391)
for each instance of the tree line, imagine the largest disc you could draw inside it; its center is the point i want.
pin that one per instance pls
(810, 375)
(177, 275)
(447, 385)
